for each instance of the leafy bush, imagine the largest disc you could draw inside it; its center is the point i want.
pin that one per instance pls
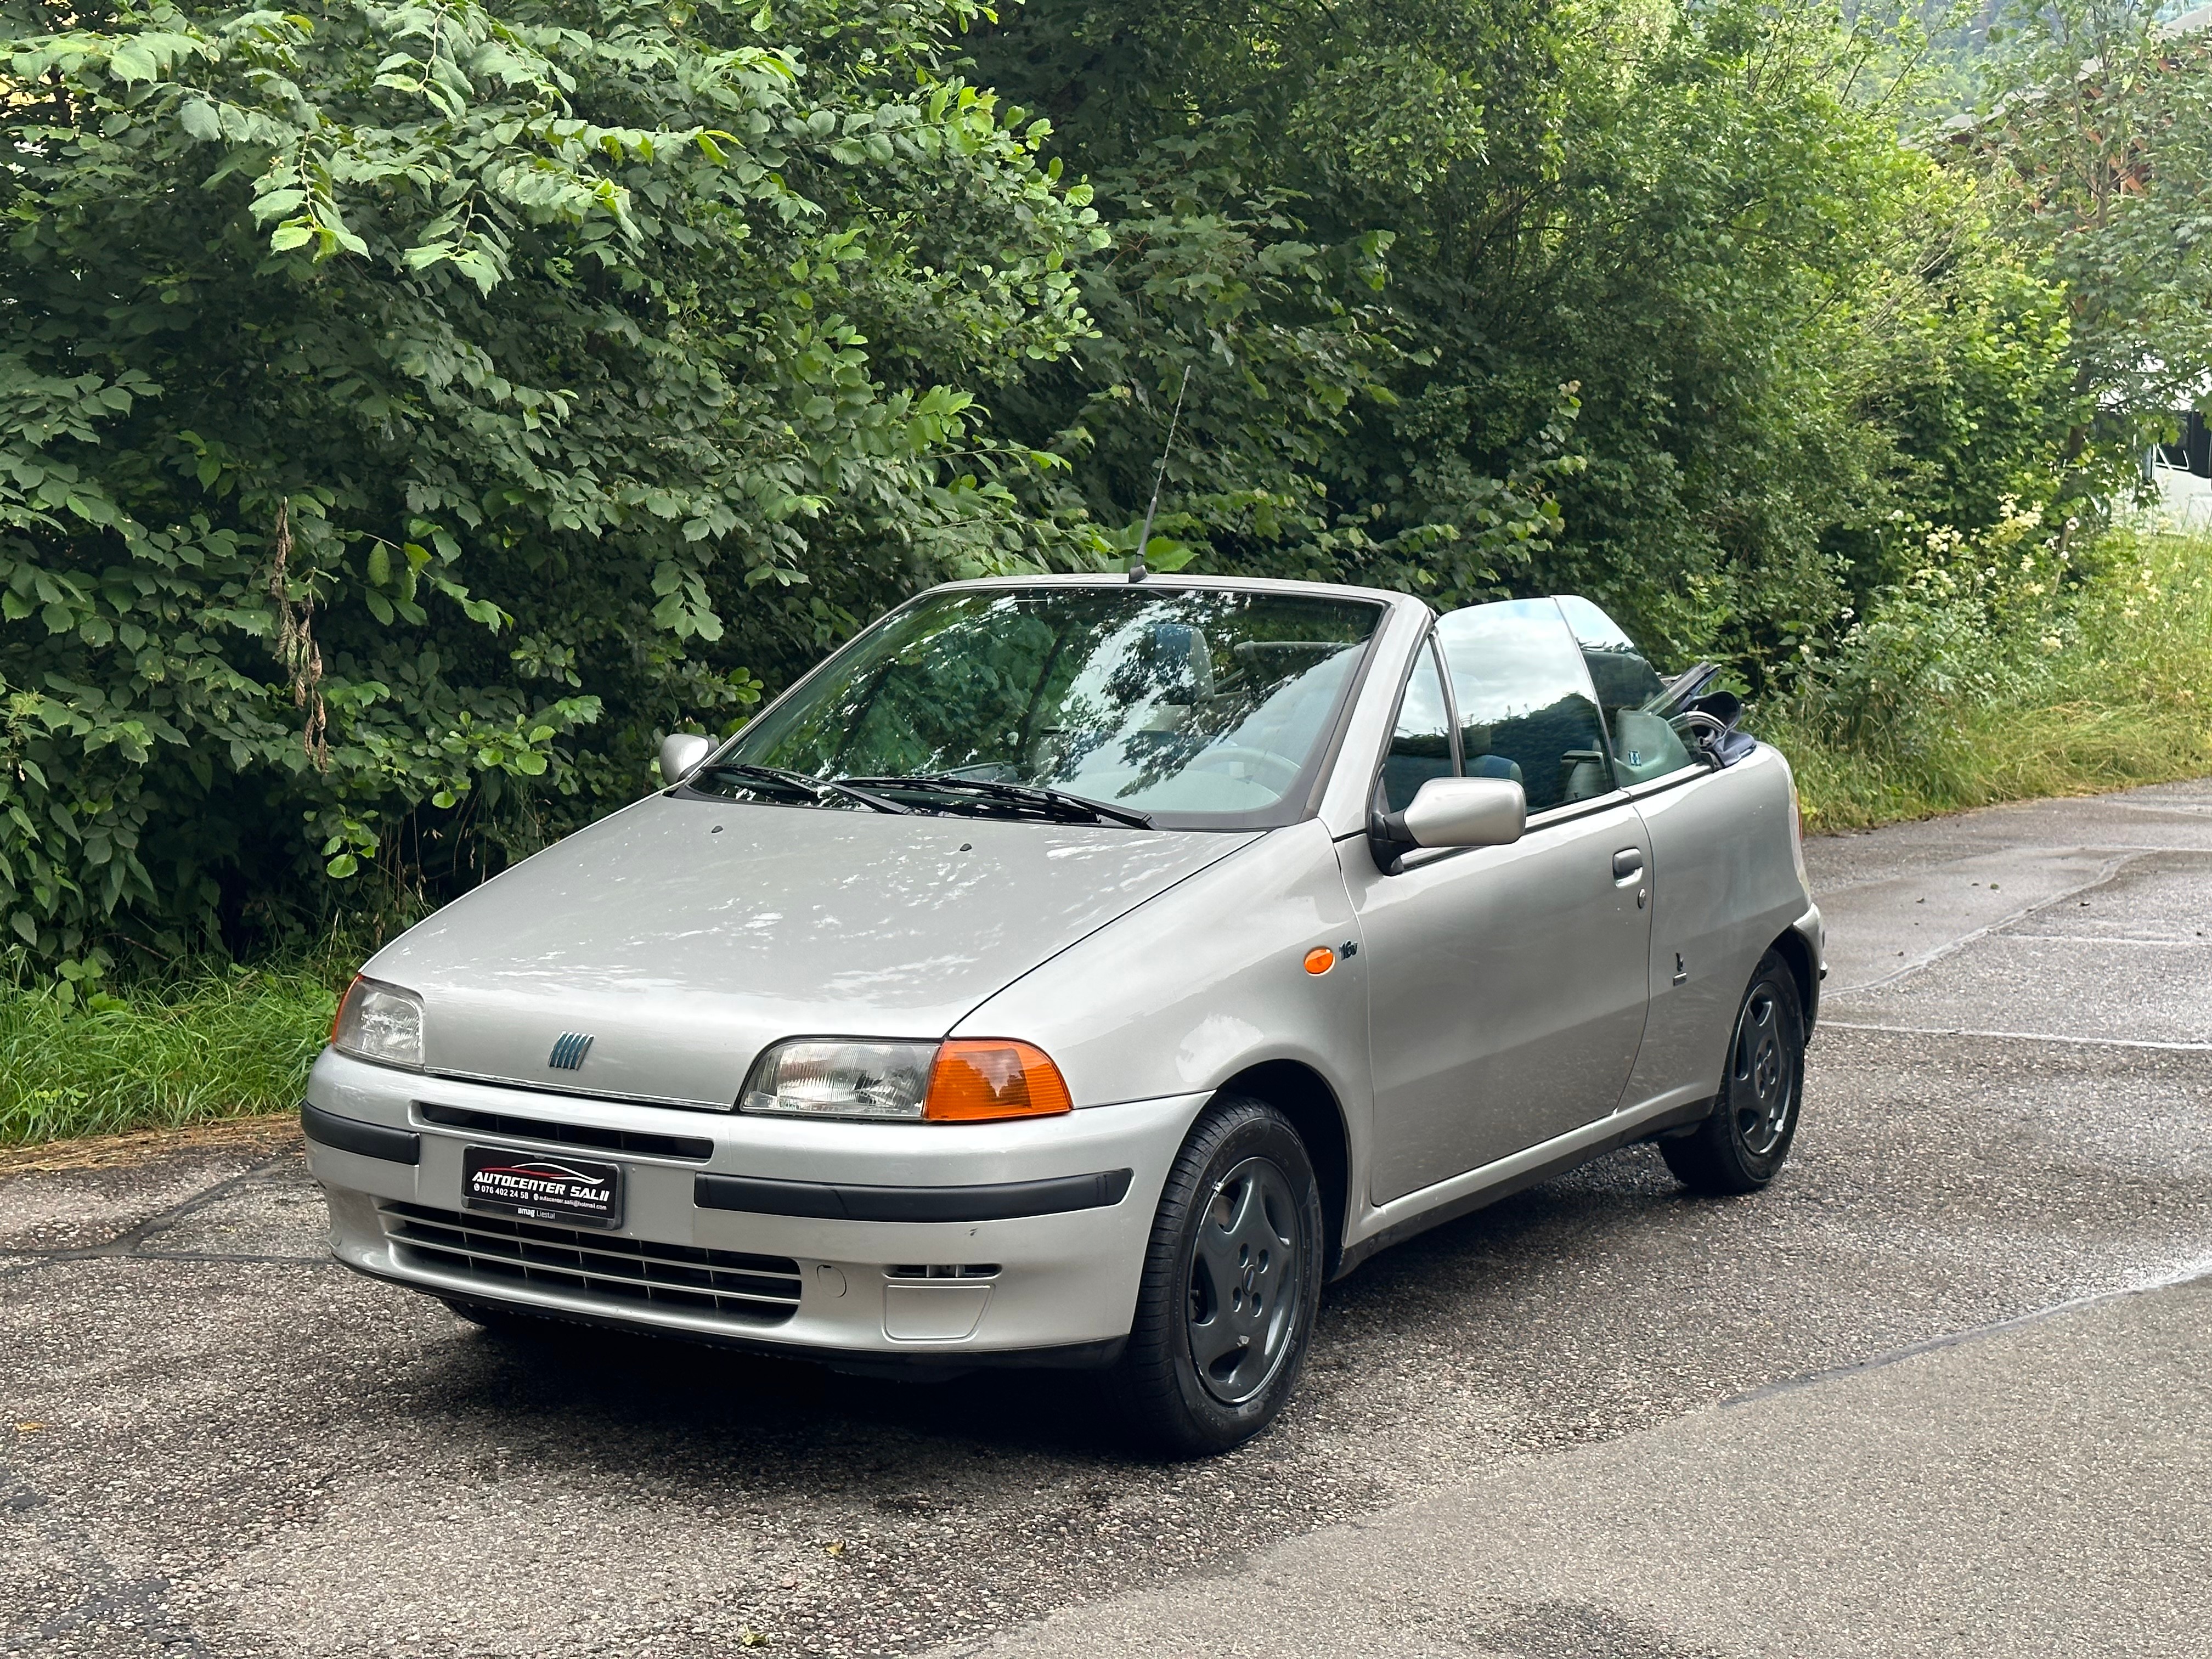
(1951, 632)
(409, 411)
(1651, 302)
(1948, 701)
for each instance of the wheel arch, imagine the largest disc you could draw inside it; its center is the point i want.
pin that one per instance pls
(1792, 948)
(1303, 1095)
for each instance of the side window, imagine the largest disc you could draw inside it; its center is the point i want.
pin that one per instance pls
(1645, 746)
(1525, 710)
(1420, 749)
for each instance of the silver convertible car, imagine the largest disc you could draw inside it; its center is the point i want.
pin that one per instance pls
(1082, 972)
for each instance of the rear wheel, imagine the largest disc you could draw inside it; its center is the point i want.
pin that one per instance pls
(1231, 1280)
(1746, 1141)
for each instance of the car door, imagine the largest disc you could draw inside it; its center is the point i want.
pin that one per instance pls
(1507, 985)
(1714, 891)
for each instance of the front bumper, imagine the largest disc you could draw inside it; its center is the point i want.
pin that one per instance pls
(993, 1283)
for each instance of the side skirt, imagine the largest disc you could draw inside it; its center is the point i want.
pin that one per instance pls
(1523, 1170)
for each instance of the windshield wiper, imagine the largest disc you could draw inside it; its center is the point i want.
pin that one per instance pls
(1022, 794)
(817, 788)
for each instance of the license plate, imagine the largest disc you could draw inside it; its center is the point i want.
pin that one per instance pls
(578, 1192)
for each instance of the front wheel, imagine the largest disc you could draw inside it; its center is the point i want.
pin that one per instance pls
(1746, 1141)
(1232, 1281)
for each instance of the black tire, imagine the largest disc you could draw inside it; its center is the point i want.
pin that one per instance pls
(1746, 1140)
(1234, 1262)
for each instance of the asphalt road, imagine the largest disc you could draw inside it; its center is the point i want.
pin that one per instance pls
(1600, 1417)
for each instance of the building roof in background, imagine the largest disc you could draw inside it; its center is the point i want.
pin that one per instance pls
(1959, 128)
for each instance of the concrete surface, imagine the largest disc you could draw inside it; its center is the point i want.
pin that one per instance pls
(214, 1442)
(2034, 1492)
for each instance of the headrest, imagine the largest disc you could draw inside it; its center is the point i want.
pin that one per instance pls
(1183, 662)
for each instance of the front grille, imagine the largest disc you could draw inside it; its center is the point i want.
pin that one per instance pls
(570, 1134)
(759, 1290)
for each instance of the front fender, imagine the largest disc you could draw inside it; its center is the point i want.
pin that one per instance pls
(1205, 981)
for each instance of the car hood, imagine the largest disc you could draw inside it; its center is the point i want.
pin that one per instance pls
(683, 936)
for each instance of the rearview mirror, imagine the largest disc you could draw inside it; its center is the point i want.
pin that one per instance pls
(1458, 812)
(680, 755)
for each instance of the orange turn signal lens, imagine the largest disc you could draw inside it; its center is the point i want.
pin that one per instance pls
(979, 1078)
(1320, 959)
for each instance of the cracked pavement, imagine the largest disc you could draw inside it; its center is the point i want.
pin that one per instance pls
(215, 1441)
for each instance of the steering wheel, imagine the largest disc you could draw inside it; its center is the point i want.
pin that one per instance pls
(1220, 759)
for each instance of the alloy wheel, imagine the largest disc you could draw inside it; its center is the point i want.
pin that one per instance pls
(1245, 1281)
(1761, 1087)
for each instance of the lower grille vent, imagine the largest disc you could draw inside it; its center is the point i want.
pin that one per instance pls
(760, 1289)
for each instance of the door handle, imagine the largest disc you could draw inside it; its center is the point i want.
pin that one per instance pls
(1627, 863)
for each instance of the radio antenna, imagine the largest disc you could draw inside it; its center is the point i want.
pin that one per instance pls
(1137, 570)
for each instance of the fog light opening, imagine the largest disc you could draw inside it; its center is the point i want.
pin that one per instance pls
(943, 1270)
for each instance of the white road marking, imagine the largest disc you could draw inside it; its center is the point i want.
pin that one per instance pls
(1826, 1024)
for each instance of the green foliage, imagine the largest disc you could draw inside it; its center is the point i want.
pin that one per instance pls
(2096, 144)
(1985, 679)
(1282, 340)
(216, 1043)
(408, 412)
(1649, 301)
(1262, 169)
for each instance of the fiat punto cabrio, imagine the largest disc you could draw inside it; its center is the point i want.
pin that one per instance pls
(1082, 972)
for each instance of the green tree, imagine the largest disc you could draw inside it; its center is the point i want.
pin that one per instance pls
(1649, 300)
(2096, 140)
(407, 411)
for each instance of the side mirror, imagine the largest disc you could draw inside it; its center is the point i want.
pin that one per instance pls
(680, 755)
(1454, 812)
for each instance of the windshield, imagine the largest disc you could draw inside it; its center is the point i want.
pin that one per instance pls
(1207, 707)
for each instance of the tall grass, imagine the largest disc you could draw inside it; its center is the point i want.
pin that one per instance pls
(2108, 688)
(213, 1043)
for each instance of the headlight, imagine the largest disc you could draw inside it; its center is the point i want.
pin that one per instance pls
(964, 1080)
(381, 1022)
(815, 1077)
